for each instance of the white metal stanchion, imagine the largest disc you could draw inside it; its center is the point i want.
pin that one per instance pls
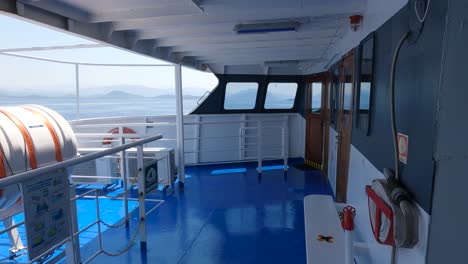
(13, 235)
(285, 143)
(259, 145)
(72, 247)
(123, 174)
(141, 197)
(180, 123)
(77, 87)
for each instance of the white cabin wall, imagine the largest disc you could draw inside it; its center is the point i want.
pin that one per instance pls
(332, 158)
(297, 135)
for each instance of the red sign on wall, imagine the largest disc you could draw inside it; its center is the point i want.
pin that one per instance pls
(403, 148)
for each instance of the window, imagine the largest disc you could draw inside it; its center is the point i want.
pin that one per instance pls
(240, 95)
(365, 76)
(348, 75)
(280, 95)
(316, 99)
(364, 101)
(365, 87)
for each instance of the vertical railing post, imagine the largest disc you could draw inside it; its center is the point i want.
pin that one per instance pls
(242, 145)
(259, 145)
(197, 141)
(123, 174)
(72, 247)
(77, 87)
(98, 218)
(285, 140)
(180, 124)
(141, 197)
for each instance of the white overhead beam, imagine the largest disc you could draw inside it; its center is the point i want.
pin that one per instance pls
(60, 8)
(144, 12)
(225, 7)
(229, 60)
(259, 52)
(261, 58)
(229, 38)
(312, 42)
(213, 19)
(90, 12)
(222, 29)
(79, 46)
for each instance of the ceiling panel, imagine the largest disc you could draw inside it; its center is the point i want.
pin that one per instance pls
(201, 31)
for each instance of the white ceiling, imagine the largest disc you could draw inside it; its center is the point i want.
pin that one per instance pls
(199, 33)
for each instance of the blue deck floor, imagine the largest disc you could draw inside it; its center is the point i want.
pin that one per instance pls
(233, 216)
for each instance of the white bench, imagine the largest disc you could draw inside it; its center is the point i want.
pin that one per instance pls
(325, 238)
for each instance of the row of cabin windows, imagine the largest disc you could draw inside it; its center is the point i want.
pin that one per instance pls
(243, 95)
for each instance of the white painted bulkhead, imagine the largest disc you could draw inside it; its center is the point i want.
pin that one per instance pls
(361, 173)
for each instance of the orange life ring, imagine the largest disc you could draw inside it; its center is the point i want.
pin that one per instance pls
(115, 130)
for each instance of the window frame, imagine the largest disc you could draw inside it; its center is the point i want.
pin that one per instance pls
(267, 84)
(309, 109)
(335, 83)
(240, 110)
(366, 131)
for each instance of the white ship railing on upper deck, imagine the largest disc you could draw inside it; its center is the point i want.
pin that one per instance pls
(208, 139)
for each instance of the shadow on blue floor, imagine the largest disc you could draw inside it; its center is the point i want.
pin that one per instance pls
(232, 217)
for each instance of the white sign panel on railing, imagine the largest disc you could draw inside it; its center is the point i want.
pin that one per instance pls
(151, 176)
(46, 204)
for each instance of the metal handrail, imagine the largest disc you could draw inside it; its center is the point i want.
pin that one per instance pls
(203, 96)
(250, 128)
(172, 123)
(24, 176)
(83, 63)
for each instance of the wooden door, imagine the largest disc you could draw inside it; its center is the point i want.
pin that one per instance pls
(344, 125)
(315, 120)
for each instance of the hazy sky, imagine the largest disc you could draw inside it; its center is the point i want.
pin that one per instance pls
(60, 78)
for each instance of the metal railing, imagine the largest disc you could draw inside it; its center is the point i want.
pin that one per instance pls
(72, 243)
(249, 141)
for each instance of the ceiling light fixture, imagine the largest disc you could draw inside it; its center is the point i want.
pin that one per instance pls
(261, 28)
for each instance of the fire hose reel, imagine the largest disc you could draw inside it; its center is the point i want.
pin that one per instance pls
(393, 218)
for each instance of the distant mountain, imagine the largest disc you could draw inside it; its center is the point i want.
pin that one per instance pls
(116, 95)
(115, 91)
(171, 96)
(139, 90)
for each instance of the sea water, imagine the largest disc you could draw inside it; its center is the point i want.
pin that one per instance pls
(94, 108)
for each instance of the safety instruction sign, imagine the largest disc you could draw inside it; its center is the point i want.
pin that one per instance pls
(46, 205)
(403, 148)
(151, 176)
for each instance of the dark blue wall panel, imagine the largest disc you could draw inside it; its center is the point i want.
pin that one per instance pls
(215, 101)
(449, 229)
(417, 79)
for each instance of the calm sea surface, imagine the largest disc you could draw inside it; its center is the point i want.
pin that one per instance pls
(91, 107)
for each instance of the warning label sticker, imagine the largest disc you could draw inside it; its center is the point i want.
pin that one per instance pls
(403, 148)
